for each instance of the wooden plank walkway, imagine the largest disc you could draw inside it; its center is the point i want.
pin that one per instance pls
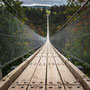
(46, 71)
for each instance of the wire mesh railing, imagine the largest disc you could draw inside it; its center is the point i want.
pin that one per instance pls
(74, 38)
(16, 39)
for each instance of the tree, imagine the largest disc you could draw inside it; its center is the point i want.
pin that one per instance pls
(76, 2)
(16, 4)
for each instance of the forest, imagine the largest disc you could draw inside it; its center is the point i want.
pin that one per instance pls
(36, 17)
(74, 38)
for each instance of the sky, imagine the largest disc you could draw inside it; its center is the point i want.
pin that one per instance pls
(43, 2)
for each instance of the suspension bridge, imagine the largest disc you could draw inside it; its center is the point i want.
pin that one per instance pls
(47, 68)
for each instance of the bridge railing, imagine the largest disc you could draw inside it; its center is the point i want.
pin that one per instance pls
(16, 39)
(74, 37)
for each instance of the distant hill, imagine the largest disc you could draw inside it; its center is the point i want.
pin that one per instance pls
(37, 6)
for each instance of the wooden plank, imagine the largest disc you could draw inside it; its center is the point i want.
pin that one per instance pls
(36, 87)
(84, 80)
(22, 87)
(74, 87)
(13, 87)
(55, 87)
(39, 76)
(52, 73)
(66, 75)
(38, 79)
(61, 65)
(53, 79)
(17, 87)
(26, 75)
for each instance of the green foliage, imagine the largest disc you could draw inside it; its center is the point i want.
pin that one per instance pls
(7, 68)
(86, 69)
(59, 15)
(75, 2)
(37, 19)
(16, 4)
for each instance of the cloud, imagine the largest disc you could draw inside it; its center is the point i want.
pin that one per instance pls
(36, 5)
(46, 2)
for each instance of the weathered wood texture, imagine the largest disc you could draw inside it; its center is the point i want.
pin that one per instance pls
(48, 70)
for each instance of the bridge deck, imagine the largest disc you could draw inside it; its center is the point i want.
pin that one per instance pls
(46, 72)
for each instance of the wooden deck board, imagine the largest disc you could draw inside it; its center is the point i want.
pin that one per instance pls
(46, 72)
(52, 73)
(27, 73)
(39, 75)
(38, 79)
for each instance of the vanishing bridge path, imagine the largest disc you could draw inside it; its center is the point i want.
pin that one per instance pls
(46, 71)
(47, 68)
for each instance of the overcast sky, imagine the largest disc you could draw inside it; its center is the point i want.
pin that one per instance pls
(43, 2)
